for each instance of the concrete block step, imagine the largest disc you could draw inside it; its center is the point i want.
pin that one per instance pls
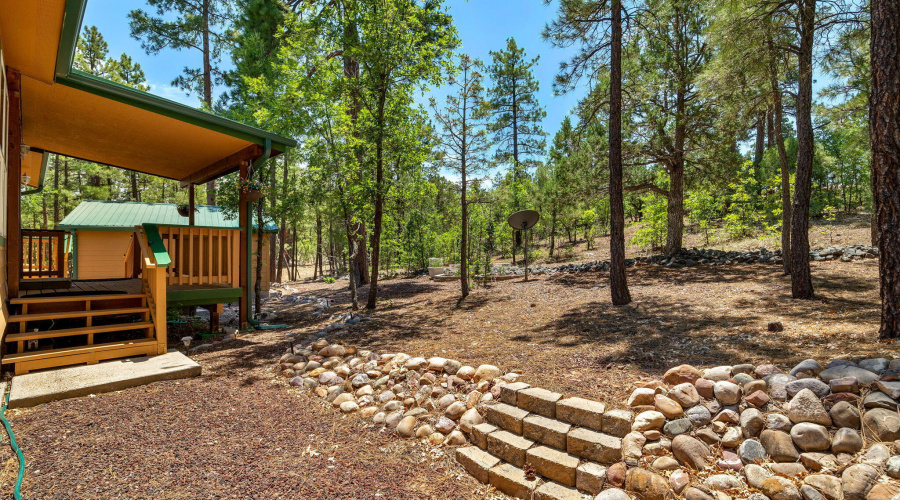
(553, 464)
(556, 491)
(548, 431)
(506, 417)
(508, 447)
(511, 480)
(476, 461)
(594, 446)
(537, 400)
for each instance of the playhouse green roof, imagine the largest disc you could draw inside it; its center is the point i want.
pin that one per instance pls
(124, 215)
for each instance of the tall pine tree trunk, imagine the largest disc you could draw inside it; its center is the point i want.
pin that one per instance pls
(464, 237)
(207, 85)
(785, 177)
(675, 204)
(801, 279)
(617, 281)
(884, 130)
(379, 195)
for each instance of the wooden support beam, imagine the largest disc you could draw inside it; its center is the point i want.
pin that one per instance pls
(13, 198)
(244, 310)
(191, 205)
(224, 166)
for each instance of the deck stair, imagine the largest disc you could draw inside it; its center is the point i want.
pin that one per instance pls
(568, 442)
(76, 322)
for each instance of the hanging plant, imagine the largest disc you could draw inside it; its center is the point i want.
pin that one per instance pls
(251, 189)
(184, 209)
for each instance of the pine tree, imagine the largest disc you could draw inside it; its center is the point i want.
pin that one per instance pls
(203, 26)
(90, 52)
(464, 142)
(516, 117)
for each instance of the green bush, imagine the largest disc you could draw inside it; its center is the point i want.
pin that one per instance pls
(328, 279)
(652, 233)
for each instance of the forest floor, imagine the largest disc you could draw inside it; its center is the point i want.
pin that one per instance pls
(238, 432)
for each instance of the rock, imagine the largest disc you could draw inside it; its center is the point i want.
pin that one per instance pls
(877, 455)
(727, 393)
(892, 389)
(865, 377)
(648, 420)
(642, 397)
(843, 414)
(742, 379)
(416, 363)
(678, 479)
(763, 371)
(465, 372)
(828, 485)
(677, 427)
(746, 368)
(779, 488)
(646, 484)
(486, 372)
(777, 384)
(436, 438)
(685, 394)
(455, 438)
(690, 452)
(857, 480)
(810, 493)
(819, 461)
(775, 326)
(718, 373)
(723, 482)
(407, 427)
(806, 407)
(846, 440)
(708, 436)
(878, 399)
(756, 475)
(632, 444)
(668, 407)
(819, 388)
(732, 437)
(349, 406)
(342, 398)
(693, 493)
(892, 467)
(615, 474)
(333, 350)
(665, 463)
(424, 432)
(455, 410)
(845, 384)
(788, 469)
(705, 388)
(681, 375)
(728, 416)
(752, 422)
(698, 415)
(451, 366)
(758, 398)
(779, 446)
(330, 378)
(876, 365)
(751, 451)
(612, 494)
(810, 366)
(470, 419)
(392, 420)
(445, 425)
(360, 380)
(810, 437)
(881, 425)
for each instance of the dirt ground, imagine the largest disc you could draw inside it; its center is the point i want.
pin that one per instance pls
(237, 431)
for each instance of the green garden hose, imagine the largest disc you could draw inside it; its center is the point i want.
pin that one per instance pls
(17, 491)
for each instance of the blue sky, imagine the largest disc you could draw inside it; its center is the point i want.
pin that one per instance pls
(483, 25)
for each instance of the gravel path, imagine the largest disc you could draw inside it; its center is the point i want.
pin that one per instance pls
(234, 432)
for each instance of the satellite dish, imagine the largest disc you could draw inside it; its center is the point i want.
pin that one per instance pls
(524, 219)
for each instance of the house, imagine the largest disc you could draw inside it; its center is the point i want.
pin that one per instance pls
(49, 318)
(102, 232)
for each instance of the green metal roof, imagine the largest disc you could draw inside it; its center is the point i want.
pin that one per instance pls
(124, 215)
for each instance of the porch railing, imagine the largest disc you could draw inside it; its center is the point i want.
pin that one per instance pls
(202, 256)
(154, 263)
(44, 253)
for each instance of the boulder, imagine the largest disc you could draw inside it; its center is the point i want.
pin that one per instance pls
(727, 393)
(756, 475)
(779, 446)
(699, 415)
(857, 480)
(881, 425)
(819, 388)
(809, 366)
(668, 407)
(844, 414)
(718, 373)
(810, 437)
(685, 394)
(690, 451)
(751, 451)
(826, 484)
(779, 488)
(647, 485)
(806, 407)
(642, 396)
(846, 440)
(863, 376)
(724, 482)
(648, 420)
(752, 422)
(486, 372)
(681, 375)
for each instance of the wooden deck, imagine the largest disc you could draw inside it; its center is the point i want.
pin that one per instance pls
(103, 287)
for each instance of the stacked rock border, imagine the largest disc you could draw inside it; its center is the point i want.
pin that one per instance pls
(744, 431)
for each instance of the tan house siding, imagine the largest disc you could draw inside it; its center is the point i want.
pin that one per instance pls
(101, 254)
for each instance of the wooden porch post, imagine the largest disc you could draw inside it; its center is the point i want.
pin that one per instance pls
(244, 310)
(191, 205)
(13, 191)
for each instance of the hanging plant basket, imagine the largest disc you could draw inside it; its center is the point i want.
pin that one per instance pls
(183, 210)
(252, 195)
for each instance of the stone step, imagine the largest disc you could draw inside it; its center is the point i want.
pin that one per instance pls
(581, 412)
(511, 480)
(553, 464)
(537, 400)
(556, 491)
(594, 446)
(506, 417)
(480, 433)
(548, 431)
(508, 447)
(476, 461)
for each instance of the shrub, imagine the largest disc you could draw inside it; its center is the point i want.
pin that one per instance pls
(328, 279)
(652, 233)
